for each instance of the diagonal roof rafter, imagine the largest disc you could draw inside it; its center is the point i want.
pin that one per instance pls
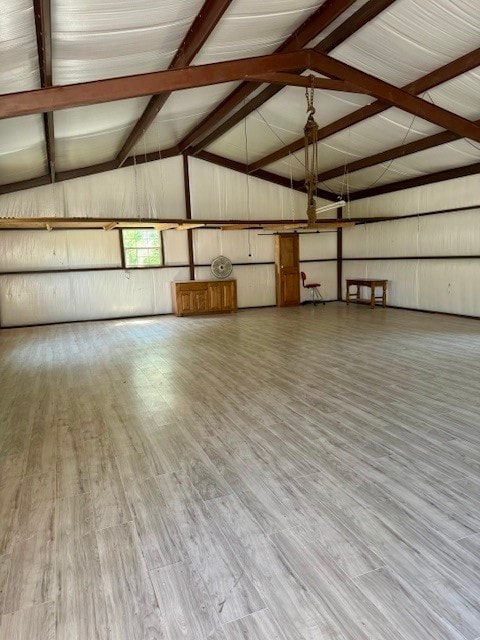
(443, 74)
(203, 25)
(395, 97)
(202, 135)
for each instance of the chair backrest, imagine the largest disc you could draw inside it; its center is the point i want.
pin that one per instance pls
(303, 277)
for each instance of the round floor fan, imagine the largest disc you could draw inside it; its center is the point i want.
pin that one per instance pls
(221, 267)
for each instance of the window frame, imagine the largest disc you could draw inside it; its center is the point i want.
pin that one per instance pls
(124, 249)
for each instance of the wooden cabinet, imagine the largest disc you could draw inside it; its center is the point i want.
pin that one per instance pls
(194, 297)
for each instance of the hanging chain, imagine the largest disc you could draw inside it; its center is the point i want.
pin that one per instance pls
(311, 153)
(309, 95)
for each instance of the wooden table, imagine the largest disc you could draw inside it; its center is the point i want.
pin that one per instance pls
(367, 282)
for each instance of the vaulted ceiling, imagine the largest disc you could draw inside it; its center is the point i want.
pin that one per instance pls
(374, 138)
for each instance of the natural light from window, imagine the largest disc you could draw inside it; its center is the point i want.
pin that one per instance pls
(142, 247)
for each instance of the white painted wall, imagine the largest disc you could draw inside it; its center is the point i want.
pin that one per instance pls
(451, 286)
(149, 190)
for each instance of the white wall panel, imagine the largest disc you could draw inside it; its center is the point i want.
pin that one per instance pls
(239, 246)
(456, 233)
(461, 192)
(222, 193)
(318, 245)
(175, 247)
(63, 297)
(152, 190)
(60, 249)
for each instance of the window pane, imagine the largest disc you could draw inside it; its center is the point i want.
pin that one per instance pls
(133, 238)
(142, 247)
(131, 259)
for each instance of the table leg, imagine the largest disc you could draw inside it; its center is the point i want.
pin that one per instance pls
(372, 296)
(348, 294)
(384, 299)
(359, 290)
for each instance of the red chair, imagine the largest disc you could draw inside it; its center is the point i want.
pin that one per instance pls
(313, 286)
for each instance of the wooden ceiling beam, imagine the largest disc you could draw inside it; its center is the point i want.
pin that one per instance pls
(438, 76)
(43, 28)
(56, 98)
(202, 135)
(395, 97)
(203, 25)
(418, 181)
(401, 151)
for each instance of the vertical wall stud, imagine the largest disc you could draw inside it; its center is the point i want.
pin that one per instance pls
(339, 255)
(188, 212)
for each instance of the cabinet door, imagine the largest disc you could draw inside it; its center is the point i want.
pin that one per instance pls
(184, 302)
(228, 297)
(215, 296)
(200, 301)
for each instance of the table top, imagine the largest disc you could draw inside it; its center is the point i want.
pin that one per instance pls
(203, 281)
(366, 280)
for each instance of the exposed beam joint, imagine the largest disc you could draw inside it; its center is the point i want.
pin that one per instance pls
(449, 71)
(293, 80)
(202, 135)
(203, 25)
(395, 97)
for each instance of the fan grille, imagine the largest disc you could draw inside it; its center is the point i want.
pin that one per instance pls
(221, 267)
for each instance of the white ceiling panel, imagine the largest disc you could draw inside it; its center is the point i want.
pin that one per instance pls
(22, 149)
(412, 38)
(281, 120)
(448, 156)
(97, 118)
(93, 134)
(384, 131)
(445, 156)
(251, 28)
(181, 112)
(336, 23)
(18, 47)
(460, 95)
(95, 39)
(88, 149)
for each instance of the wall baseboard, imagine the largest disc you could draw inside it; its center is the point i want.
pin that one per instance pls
(441, 313)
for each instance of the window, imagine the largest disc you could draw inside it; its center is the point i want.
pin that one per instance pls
(142, 248)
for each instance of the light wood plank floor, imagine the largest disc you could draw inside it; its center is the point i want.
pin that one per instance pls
(298, 474)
